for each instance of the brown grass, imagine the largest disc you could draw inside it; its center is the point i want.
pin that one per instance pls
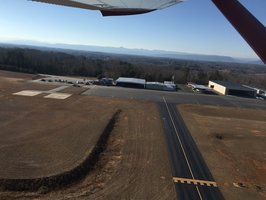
(43, 137)
(64, 178)
(232, 142)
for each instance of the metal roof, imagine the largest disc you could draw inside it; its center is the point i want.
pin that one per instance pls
(233, 86)
(131, 80)
(201, 87)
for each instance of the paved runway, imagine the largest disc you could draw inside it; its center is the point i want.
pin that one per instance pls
(191, 175)
(192, 178)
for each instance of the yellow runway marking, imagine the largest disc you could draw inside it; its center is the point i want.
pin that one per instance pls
(180, 142)
(195, 182)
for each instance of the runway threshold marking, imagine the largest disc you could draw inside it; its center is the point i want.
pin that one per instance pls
(195, 182)
(183, 150)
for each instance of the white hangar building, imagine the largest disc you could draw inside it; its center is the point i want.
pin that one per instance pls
(228, 88)
(130, 82)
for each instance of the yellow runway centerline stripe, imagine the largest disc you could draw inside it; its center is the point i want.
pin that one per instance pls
(195, 182)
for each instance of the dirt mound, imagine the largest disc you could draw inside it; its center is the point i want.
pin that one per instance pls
(65, 178)
(46, 137)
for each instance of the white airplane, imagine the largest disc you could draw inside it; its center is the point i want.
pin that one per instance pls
(116, 7)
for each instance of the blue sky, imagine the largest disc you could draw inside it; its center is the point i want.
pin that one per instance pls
(194, 26)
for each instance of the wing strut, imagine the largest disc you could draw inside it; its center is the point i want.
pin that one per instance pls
(246, 24)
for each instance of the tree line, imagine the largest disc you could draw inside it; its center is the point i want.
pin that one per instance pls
(106, 65)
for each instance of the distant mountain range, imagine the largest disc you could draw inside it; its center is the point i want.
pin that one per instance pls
(126, 51)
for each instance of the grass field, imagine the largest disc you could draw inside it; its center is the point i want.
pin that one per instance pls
(232, 142)
(43, 137)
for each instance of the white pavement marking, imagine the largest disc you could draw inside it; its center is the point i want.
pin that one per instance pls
(57, 89)
(58, 96)
(29, 93)
(180, 142)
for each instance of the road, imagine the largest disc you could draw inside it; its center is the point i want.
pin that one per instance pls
(191, 175)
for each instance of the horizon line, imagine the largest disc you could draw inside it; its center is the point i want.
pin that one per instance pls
(22, 41)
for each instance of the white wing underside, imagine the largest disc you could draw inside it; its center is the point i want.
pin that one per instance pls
(116, 7)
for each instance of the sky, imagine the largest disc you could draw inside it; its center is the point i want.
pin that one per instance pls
(194, 26)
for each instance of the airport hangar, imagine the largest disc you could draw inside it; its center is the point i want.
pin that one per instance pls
(131, 82)
(228, 88)
(141, 83)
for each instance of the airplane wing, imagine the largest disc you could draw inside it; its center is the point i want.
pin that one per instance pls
(116, 7)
